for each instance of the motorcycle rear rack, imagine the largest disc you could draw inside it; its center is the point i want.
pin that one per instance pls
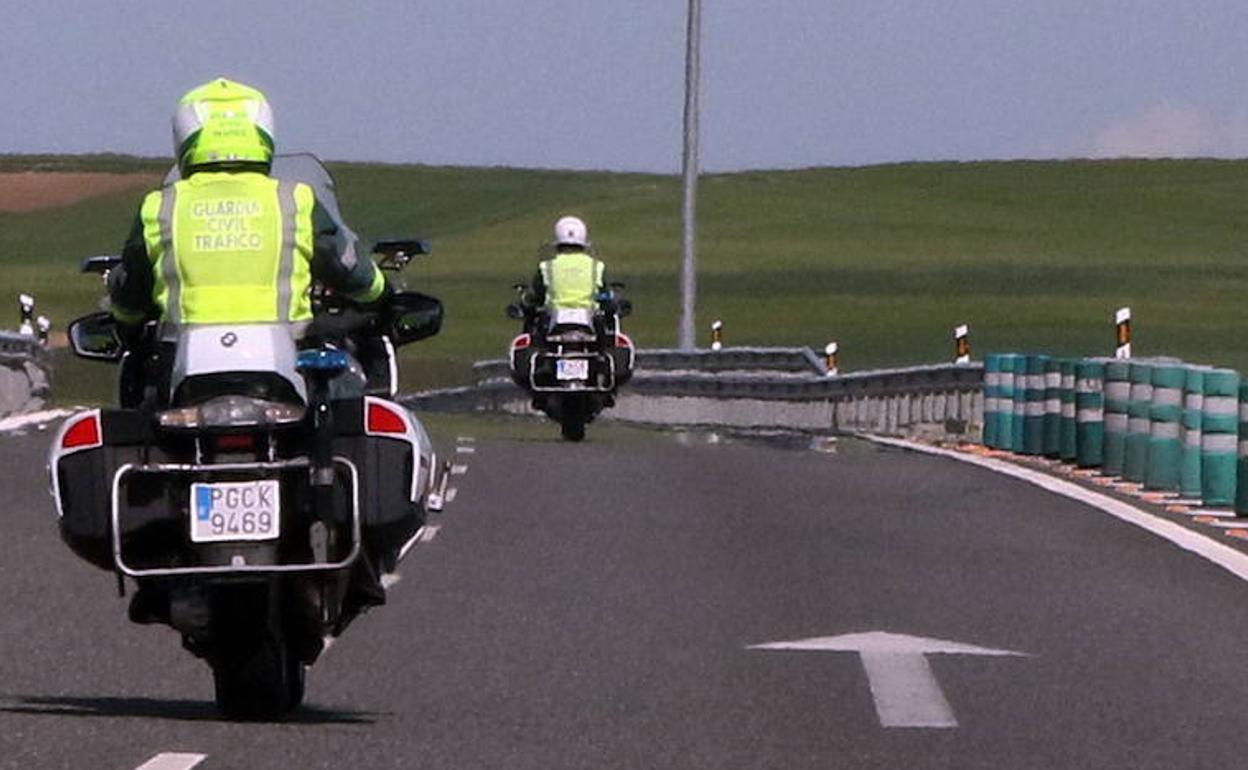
(231, 569)
(572, 386)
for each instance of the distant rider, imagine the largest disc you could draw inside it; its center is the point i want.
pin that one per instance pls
(227, 243)
(573, 278)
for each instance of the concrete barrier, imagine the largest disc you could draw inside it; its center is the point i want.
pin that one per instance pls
(25, 374)
(1219, 442)
(1117, 400)
(1193, 403)
(1165, 443)
(1090, 413)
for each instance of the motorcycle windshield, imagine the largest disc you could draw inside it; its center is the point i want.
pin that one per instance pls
(300, 167)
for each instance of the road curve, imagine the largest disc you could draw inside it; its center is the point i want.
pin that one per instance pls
(599, 605)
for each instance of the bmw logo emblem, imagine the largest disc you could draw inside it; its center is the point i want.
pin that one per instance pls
(228, 339)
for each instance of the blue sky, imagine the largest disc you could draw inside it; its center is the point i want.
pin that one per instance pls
(599, 83)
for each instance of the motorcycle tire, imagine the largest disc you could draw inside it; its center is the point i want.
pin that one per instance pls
(259, 680)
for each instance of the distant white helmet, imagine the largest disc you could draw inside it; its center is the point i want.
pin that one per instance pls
(571, 231)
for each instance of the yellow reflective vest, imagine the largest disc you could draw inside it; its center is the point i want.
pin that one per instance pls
(230, 248)
(572, 279)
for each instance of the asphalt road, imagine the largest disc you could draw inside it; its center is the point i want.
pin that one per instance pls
(595, 606)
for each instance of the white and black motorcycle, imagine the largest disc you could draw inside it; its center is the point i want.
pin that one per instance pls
(255, 495)
(572, 361)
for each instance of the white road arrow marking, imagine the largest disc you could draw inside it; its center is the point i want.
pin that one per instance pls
(172, 761)
(905, 690)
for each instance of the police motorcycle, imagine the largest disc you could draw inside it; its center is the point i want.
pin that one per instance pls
(256, 500)
(572, 361)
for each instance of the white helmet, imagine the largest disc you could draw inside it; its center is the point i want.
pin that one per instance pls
(571, 231)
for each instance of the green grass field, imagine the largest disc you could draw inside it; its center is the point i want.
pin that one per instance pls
(885, 259)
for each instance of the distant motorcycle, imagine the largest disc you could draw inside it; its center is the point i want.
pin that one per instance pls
(257, 496)
(572, 361)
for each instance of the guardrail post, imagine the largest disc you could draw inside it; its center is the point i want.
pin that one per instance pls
(1068, 447)
(1052, 444)
(1122, 332)
(962, 344)
(1193, 403)
(1117, 399)
(1135, 463)
(992, 389)
(1090, 413)
(1165, 447)
(1219, 440)
(27, 304)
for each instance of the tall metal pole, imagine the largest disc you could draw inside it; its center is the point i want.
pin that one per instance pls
(688, 273)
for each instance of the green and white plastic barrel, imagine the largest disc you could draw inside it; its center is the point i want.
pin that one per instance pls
(1052, 407)
(992, 410)
(1033, 417)
(1165, 444)
(1135, 461)
(1090, 412)
(1193, 403)
(1241, 484)
(1020, 400)
(1068, 442)
(1219, 437)
(1117, 397)
(1005, 402)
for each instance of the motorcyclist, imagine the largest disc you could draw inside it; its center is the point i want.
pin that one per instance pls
(227, 243)
(573, 277)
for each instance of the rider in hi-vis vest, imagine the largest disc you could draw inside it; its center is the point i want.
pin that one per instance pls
(227, 244)
(573, 278)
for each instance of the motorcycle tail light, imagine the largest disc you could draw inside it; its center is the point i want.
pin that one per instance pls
(235, 442)
(383, 418)
(521, 342)
(231, 411)
(83, 433)
(623, 341)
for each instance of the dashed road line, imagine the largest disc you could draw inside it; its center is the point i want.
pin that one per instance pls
(390, 579)
(172, 761)
(1230, 559)
(465, 439)
(451, 493)
(465, 450)
(459, 470)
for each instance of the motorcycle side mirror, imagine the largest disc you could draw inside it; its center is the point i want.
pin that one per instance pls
(624, 308)
(96, 337)
(414, 316)
(101, 264)
(515, 312)
(396, 253)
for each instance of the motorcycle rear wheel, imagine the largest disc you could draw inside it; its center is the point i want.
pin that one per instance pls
(259, 680)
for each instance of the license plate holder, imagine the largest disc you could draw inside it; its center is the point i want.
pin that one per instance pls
(227, 511)
(572, 369)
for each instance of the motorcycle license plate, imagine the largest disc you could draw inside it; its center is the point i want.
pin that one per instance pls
(235, 510)
(572, 369)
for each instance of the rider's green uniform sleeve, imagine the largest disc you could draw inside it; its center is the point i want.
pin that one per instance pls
(336, 261)
(130, 284)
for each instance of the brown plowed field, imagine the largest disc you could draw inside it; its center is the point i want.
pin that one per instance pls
(35, 190)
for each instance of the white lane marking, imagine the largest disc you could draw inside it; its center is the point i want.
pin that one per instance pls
(19, 421)
(429, 533)
(451, 493)
(389, 579)
(459, 470)
(466, 450)
(172, 761)
(1226, 557)
(904, 689)
(1235, 523)
(411, 541)
(465, 439)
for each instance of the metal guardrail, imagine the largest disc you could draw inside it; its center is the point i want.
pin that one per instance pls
(771, 387)
(14, 345)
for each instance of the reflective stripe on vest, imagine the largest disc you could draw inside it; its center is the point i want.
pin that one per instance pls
(571, 280)
(231, 248)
